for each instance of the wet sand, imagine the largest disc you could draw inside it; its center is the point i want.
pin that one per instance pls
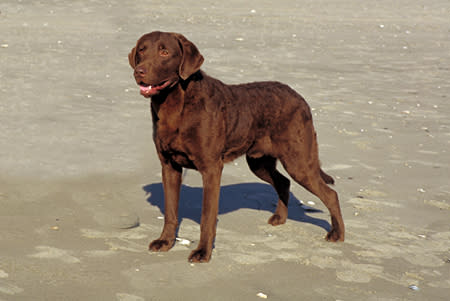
(80, 182)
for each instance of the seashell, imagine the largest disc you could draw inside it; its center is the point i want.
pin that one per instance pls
(262, 295)
(183, 241)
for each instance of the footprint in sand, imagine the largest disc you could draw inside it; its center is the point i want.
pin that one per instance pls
(9, 289)
(46, 252)
(127, 297)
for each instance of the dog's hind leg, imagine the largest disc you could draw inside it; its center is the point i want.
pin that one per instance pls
(265, 168)
(310, 176)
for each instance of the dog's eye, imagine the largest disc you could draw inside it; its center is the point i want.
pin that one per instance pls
(141, 49)
(163, 52)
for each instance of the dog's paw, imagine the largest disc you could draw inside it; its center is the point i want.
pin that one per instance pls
(200, 255)
(335, 236)
(276, 220)
(160, 245)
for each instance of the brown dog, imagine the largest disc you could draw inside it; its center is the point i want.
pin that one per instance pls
(201, 123)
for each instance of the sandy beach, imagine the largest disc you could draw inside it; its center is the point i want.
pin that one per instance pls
(80, 182)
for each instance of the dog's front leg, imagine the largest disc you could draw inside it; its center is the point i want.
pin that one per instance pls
(171, 176)
(210, 210)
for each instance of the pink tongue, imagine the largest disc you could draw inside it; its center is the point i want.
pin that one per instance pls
(145, 89)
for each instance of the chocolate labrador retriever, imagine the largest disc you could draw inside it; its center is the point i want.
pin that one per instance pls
(201, 123)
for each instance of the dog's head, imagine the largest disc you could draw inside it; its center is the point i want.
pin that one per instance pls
(161, 59)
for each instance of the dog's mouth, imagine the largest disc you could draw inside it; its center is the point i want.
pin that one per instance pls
(149, 90)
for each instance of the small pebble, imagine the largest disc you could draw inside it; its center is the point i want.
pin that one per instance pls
(4, 45)
(54, 228)
(414, 287)
(126, 221)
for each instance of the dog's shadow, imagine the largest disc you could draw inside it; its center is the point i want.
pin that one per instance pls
(255, 196)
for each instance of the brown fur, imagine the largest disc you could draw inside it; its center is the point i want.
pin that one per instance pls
(201, 123)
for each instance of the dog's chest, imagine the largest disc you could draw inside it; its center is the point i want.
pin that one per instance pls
(171, 143)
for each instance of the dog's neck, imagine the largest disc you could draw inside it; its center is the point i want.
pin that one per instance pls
(197, 76)
(171, 101)
(168, 104)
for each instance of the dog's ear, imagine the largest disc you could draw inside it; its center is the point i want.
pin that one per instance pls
(132, 58)
(191, 60)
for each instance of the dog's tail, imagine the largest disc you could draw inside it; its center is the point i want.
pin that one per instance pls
(327, 178)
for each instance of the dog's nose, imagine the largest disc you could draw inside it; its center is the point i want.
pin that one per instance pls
(141, 71)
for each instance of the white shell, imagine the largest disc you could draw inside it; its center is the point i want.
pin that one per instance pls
(183, 241)
(261, 295)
